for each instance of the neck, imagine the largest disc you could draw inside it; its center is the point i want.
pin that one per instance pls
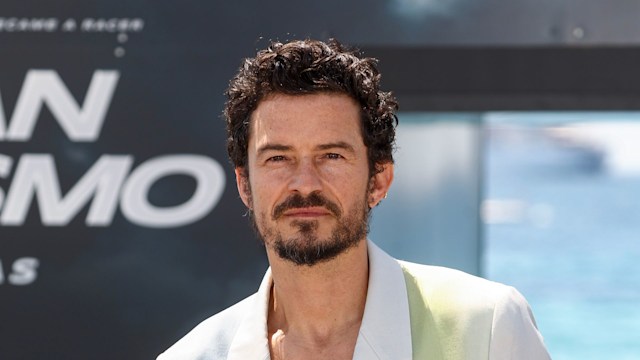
(319, 303)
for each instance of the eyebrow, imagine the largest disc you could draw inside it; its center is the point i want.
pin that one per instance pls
(279, 147)
(272, 147)
(337, 145)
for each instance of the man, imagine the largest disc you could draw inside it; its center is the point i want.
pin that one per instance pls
(311, 137)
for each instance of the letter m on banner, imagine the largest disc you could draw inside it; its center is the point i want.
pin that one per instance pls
(80, 123)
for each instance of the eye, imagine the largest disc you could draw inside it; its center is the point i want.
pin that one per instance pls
(276, 158)
(333, 156)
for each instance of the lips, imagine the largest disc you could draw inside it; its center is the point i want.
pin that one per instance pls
(307, 212)
(314, 205)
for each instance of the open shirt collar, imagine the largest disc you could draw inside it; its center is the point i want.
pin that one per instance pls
(385, 332)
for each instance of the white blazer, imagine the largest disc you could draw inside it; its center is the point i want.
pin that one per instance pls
(412, 312)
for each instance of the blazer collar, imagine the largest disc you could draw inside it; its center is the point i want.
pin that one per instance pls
(385, 332)
(250, 340)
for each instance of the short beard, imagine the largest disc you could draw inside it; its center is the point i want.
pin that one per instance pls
(306, 248)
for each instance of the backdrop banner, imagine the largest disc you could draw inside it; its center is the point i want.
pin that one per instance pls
(120, 220)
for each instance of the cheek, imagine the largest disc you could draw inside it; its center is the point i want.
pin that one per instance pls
(354, 191)
(344, 172)
(263, 192)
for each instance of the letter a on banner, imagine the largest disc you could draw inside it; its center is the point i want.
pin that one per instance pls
(45, 87)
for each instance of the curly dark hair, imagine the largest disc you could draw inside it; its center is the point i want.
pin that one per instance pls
(305, 67)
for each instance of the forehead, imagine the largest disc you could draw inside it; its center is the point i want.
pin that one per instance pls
(315, 117)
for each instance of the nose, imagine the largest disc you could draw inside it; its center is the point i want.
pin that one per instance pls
(306, 178)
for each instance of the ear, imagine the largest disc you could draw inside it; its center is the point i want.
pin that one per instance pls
(379, 185)
(244, 189)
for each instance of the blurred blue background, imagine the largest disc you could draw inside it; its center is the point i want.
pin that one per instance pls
(562, 214)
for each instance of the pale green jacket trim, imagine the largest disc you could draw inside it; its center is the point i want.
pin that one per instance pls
(456, 316)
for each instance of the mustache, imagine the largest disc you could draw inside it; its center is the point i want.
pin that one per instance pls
(297, 201)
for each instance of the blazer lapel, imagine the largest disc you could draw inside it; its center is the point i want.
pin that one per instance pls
(385, 332)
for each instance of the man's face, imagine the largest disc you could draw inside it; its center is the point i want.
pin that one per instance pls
(308, 178)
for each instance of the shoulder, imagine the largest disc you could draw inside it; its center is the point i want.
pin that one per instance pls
(481, 313)
(455, 293)
(211, 338)
(455, 300)
(457, 286)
